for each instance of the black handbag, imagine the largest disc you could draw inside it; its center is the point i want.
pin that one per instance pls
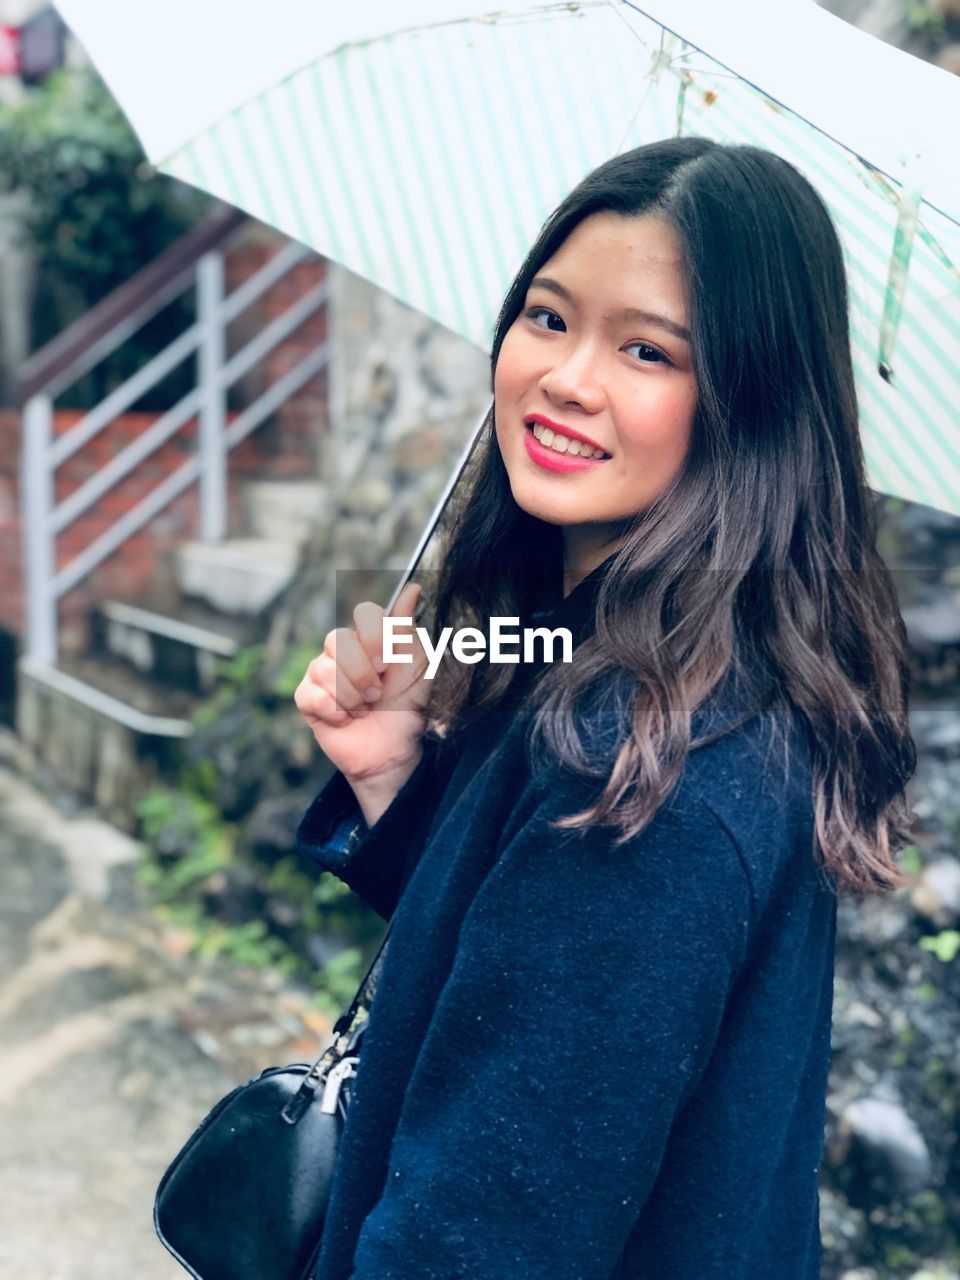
(246, 1196)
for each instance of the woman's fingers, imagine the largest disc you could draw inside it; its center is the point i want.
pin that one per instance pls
(326, 672)
(359, 652)
(345, 681)
(406, 641)
(407, 601)
(355, 675)
(316, 703)
(368, 617)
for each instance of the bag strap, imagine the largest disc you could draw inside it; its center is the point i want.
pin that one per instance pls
(299, 1102)
(367, 986)
(367, 989)
(342, 1027)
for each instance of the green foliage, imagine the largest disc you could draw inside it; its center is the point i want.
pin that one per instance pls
(934, 1213)
(285, 682)
(286, 877)
(189, 827)
(93, 213)
(923, 17)
(898, 1255)
(201, 777)
(235, 675)
(240, 671)
(314, 897)
(189, 844)
(246, 944)
(944, 944)
(940, 1086)
(909, 860)
(249, 944)
(196, 858)
(337, 982)
(287, 880)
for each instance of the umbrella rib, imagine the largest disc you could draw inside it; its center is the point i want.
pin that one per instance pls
(615, 5)
(630, 4)
(658, 61)
(560, 10)
(565, 7)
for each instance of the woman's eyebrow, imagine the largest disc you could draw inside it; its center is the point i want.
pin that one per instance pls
(625, 313)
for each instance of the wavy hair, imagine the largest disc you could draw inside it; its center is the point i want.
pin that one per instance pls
(762, 552)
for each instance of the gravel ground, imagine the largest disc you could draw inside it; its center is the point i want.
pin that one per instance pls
(113, 1044)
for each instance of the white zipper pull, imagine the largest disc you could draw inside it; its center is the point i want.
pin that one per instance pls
(335, 1078)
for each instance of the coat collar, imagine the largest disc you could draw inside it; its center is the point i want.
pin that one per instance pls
(576, 610)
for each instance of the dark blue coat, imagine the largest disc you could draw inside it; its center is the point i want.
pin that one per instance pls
(586, 1062)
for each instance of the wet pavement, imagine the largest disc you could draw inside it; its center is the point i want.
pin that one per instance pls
(114, 1042)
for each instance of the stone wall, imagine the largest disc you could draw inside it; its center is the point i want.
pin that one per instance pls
(407, 395)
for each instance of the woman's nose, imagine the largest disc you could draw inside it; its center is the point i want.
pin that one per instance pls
(573, 380)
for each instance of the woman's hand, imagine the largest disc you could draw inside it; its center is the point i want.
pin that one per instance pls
(374, 740)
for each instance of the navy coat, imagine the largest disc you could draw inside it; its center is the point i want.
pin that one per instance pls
(586, 1062)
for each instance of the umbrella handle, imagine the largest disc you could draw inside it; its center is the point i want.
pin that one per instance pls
(438, 511)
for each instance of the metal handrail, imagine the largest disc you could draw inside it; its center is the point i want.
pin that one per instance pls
(44, 519)
(103, 328)
(122, 397)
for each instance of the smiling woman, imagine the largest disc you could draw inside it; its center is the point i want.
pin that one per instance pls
(610, 372)
(601, 1034)
(685, 310)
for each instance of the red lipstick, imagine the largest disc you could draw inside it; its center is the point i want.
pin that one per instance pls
(559, 429)
(550, 459)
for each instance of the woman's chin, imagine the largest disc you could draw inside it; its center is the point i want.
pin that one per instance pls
(550, 512)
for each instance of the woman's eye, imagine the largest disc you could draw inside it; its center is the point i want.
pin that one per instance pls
(533, 312)
(648, 354)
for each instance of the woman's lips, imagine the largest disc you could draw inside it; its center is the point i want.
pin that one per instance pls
(569, 432)
(549, 458)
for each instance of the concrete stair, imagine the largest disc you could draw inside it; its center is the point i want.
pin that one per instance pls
(102, 727)
(240, 577)
(176, 648)
(284, 511)
(96, 736)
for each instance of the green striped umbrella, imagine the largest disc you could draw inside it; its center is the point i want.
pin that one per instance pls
(423, 145)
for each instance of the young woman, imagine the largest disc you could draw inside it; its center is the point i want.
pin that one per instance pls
(601, 1034)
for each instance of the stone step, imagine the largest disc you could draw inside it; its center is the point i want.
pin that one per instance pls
(239, 577)
(179, 647)
(285, 510)
(98, 733)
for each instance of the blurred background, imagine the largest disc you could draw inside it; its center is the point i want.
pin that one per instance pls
(244, 432)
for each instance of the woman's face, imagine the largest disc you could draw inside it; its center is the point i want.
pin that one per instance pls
(601, 350)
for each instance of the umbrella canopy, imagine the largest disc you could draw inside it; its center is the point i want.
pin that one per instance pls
(423, 146)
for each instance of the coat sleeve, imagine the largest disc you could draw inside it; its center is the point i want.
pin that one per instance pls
(583, 1004)
(376, 861)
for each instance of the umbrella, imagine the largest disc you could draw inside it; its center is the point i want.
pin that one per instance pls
(423, 145)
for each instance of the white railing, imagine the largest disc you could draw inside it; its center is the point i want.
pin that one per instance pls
(43, 519)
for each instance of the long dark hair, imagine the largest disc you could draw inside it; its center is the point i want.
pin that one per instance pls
(764, 545)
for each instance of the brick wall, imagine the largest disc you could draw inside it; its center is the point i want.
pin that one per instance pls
(285, 446)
